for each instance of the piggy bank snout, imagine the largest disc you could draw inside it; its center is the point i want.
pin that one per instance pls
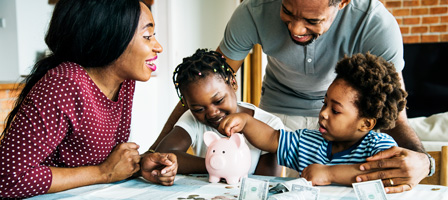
(217, 162)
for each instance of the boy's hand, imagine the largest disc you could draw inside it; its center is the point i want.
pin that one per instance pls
(318, 174)
(233, 123)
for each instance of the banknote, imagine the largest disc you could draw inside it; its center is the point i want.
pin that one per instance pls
(287, 185)
(370, 190)
(309, 192)
(253, 189)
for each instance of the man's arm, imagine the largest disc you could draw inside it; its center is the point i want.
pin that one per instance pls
(235, 64)
(402, 133)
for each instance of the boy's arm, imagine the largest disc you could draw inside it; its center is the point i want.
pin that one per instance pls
(258, 133)
(320, 174)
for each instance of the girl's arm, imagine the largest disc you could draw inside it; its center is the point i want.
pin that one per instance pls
(258, 133)
(178, 141)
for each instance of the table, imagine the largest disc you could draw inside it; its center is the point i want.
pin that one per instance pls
(186, 185)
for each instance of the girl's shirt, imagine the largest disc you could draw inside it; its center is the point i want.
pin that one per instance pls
(196, 130)
(304, 147)
(65, 121)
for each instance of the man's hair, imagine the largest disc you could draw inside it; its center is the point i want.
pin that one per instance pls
(378, 85)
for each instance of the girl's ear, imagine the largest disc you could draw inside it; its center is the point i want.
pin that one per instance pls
(367, 124)
(234, 84)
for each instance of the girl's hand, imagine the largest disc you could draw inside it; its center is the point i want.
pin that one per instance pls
(318, 174)
(233, 123)
(159, 167)
(122, 162)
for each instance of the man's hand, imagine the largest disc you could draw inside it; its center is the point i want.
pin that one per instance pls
(159, 167)
(400, 169)
(318, 174)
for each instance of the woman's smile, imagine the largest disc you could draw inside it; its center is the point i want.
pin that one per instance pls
(150, 64)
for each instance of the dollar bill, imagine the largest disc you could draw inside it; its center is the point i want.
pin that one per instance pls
(287, 185)
(253, 189)
(370, 190)
(308, 192)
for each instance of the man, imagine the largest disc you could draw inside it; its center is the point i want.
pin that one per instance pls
(303, 44)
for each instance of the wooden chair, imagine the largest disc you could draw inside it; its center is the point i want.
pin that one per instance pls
(441, 175)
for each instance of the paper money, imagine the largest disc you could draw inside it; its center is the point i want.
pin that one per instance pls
(309, 192)
(370, 190)
(253, 189)
(287, 185)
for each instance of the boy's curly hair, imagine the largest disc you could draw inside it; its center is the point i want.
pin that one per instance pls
(200, 65)
(379, 89)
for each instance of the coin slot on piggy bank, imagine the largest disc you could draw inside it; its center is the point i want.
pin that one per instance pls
(227, 158)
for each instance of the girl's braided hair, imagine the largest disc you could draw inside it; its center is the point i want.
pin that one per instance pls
(379, 89)
(199, 66)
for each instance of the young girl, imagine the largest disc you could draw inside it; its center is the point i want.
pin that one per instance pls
(206, 84)
(365, 95)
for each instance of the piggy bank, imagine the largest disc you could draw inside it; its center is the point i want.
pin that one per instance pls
(227, 158)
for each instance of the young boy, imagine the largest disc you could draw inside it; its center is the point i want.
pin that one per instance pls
(365, 95)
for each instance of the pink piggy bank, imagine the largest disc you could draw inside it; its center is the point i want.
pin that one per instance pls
(227, 158)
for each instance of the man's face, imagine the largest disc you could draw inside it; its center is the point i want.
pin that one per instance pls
(307, 19)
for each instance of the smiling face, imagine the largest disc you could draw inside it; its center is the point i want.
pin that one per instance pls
(210, 99)
(308, 19)
(137, 61)
(338, 119)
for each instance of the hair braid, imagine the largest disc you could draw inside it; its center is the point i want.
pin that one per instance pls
(200, 65)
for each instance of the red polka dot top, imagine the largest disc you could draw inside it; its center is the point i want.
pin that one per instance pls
(65, 121)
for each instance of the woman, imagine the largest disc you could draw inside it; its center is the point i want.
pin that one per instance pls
(70, 124)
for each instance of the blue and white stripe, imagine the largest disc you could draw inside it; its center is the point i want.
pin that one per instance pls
(303, 147)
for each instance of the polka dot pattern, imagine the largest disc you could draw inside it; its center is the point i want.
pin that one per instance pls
(65, 121)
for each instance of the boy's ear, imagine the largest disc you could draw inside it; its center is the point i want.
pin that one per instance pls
(367, 124)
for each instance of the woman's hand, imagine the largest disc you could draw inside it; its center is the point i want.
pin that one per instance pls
(159, 167)
(318, 174)
(399, 168)
(122, 163)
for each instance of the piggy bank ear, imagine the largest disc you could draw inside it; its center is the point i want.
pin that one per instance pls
(237, 138)
(209, 137)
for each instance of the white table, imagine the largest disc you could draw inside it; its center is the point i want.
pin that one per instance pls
(186, 185)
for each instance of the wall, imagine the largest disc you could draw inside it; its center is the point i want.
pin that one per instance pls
(9, 61)
(22, 39)
(421, 21)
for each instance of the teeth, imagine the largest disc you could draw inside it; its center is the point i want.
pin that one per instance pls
(149, 63)
(298, 36)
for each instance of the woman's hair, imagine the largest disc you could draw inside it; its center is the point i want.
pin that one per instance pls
(378, 85)
(91, 33)
(199, 66)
